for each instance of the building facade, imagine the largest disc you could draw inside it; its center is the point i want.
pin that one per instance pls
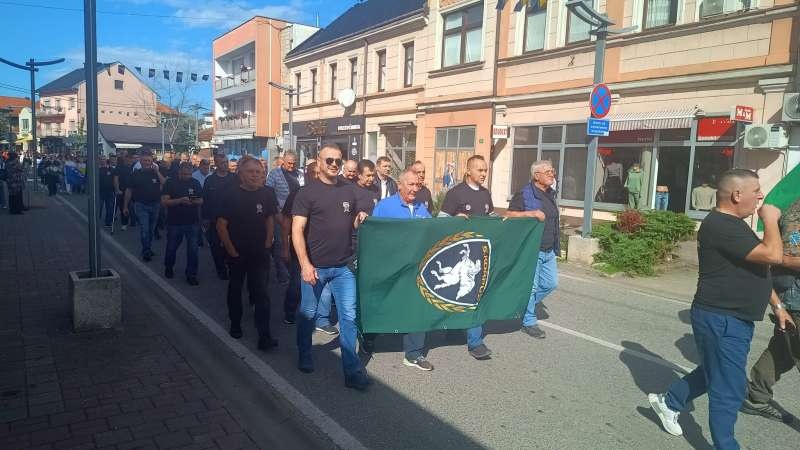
(429, 80)
(247, 117)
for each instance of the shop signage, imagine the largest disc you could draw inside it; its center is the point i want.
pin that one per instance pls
(629, 137)
(499, 131)
(600, 101)
(349, 127)
(742, 114)
(598, 127)
(716, 128)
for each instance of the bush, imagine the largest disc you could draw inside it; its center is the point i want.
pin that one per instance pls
(637, 241)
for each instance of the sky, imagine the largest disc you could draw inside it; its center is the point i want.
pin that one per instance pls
(174, 35)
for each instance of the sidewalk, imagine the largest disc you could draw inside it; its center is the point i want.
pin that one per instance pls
(128, 388)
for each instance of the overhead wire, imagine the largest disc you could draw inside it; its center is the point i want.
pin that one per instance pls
(115, 13)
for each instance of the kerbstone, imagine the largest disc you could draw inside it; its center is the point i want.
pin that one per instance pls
(96, 302)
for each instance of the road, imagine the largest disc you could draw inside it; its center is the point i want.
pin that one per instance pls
(583, 387)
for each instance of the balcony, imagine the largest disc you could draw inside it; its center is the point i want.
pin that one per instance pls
(49, 112)
(235, 83)
(236, 122)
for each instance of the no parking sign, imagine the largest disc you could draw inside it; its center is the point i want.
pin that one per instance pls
(600, 101)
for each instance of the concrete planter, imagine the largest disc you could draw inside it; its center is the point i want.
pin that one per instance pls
(582, 250)
(96, 302)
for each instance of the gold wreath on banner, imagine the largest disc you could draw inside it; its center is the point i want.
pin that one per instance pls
(425, 292)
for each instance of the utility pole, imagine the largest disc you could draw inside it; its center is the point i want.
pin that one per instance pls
(32, 66)
(292, 92)
(90, 69)
(196, 108)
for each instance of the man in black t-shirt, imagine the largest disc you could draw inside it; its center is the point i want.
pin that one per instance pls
(215, 195)
(424, 195)
(324, 215)
(467, 199)
(145, 192)
(367, 195)
(246, 228)
(122, 178)
(733, 289)
(182, 197)
(349, 171)
(105, 180)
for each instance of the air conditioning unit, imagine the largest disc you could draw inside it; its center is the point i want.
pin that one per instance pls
(791, 107)
(765, 136)
(711, 8)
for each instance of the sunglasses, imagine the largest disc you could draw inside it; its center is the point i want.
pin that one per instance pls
(334, 161)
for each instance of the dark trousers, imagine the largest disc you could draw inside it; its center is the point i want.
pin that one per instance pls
(723, 342)
(256, 270)
(292, 300)
(782, 353)
(52, 187)
(107, 204)
(15, 205)
(215, 245)
(175, 235)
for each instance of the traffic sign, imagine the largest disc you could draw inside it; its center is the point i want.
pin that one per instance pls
(598, 127)
(600, 101)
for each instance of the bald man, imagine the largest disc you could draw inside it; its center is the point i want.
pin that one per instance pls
(733, 289)
(349, 171)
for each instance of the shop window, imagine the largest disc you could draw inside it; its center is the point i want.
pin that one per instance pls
(709, 164)
(401, 148)
(577, 29)
(462, 38)
(573, 180)
(672, 178)
(660, 13)
(333, 81)
(613, 164)
(353, 73)
(521, 167)
(313, 85)
(576, 134)
(535, 25)
(526, 135)
(453, 147)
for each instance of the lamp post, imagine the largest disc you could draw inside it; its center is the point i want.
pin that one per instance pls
(599, 27)
(292, 92)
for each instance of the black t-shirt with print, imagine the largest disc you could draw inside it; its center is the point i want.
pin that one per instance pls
(145, 186)
(215, 193)
(246, 213)
(124, 173)
(366, 197)
(463, 199)
(330, 209)
(182, 214)
(727, 283)
(425, 198)
(105, 179)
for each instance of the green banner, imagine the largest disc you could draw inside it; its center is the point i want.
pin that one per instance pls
(444, 273)
(786, 192)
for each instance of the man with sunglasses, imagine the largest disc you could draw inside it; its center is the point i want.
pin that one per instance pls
(538, 200)
(324, 215)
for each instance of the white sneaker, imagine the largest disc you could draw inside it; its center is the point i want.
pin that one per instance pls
(669, 418)
(123, 228)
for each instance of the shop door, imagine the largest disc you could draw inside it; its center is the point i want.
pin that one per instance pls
(673, 173)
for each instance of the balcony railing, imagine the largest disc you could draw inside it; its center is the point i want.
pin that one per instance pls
(47, 111)
(236, 79)
(236, 122)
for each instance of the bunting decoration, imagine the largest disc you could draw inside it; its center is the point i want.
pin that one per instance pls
(205, 77)
(193, 77)
(152, 73)
(138, 69)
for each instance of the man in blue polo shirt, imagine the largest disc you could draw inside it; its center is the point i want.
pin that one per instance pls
(403, 205)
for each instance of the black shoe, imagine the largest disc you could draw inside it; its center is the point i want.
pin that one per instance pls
(534, 332)
(765, 410)
(223, 276)
(305, 364)
(366, 344)
(147, 257)
(266, 343)
(236, 331)
(480, 352)
(359, 381)
(289, 319)
(192, 281)
(168, 273)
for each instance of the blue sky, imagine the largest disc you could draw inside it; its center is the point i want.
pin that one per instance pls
(127, 31)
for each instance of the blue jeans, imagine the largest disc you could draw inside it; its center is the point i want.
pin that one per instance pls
(414, 343)
(343, 286)
(175, 235)
(323, 318)
(662, 200)
(107, 204)
(147, 214)
(723, 343)
(545, 280)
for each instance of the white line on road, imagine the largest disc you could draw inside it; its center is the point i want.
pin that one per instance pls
(627, 288)
(620, 349)
(340, 436)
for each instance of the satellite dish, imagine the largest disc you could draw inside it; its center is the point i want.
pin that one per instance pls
(346, 97)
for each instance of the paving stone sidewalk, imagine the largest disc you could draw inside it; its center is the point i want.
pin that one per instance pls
(120, 389)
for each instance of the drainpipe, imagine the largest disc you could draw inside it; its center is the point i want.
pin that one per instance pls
(364, 106)
(494, 94)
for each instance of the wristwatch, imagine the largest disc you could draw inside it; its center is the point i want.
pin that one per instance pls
(780, 306)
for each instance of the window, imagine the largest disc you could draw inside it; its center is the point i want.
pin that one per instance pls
(535, 26)
(660, 13)
(401, 148)
(453, 147)
(462, 36)
(577, 29)
(72, 103)
(26, 125)
(72, 126)
(408, 64)
(333, 81)
(58, 103)
(313, 85)
(297, 78)
(353, 73)
(118, 85)
(710, 8)
(381, 70)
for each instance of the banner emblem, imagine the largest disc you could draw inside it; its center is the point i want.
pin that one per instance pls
(454, 273)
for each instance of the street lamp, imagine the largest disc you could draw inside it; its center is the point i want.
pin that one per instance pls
(291, 92)
(598, 24)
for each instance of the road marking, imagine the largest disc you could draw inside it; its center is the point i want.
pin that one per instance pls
(618, 348)
(340, 436)
(627, 288)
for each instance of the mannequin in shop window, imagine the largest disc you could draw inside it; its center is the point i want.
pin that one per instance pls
(612, 183)
(704, 197)
(633, 183)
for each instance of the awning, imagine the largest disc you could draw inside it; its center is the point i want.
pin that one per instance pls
(122, 145)
(655, 120)
(406, 124)
(24, 139)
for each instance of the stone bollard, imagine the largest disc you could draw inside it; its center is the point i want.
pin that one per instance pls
(582, 250)
(96, 302)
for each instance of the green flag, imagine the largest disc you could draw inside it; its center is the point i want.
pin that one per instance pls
(786, 192)
(444, 273)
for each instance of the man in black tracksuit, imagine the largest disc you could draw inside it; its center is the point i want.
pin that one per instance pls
(214, 195)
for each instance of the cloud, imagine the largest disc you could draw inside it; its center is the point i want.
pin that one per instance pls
(174, 60)
(226, 14)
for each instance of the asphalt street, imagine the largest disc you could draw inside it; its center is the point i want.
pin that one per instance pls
(584, 386)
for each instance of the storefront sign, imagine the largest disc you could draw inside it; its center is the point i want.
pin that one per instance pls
(629, 137)
(598, 127)
(715, 129)
(742, 114)
(349, 127)
(338, 126)
(499, 131)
